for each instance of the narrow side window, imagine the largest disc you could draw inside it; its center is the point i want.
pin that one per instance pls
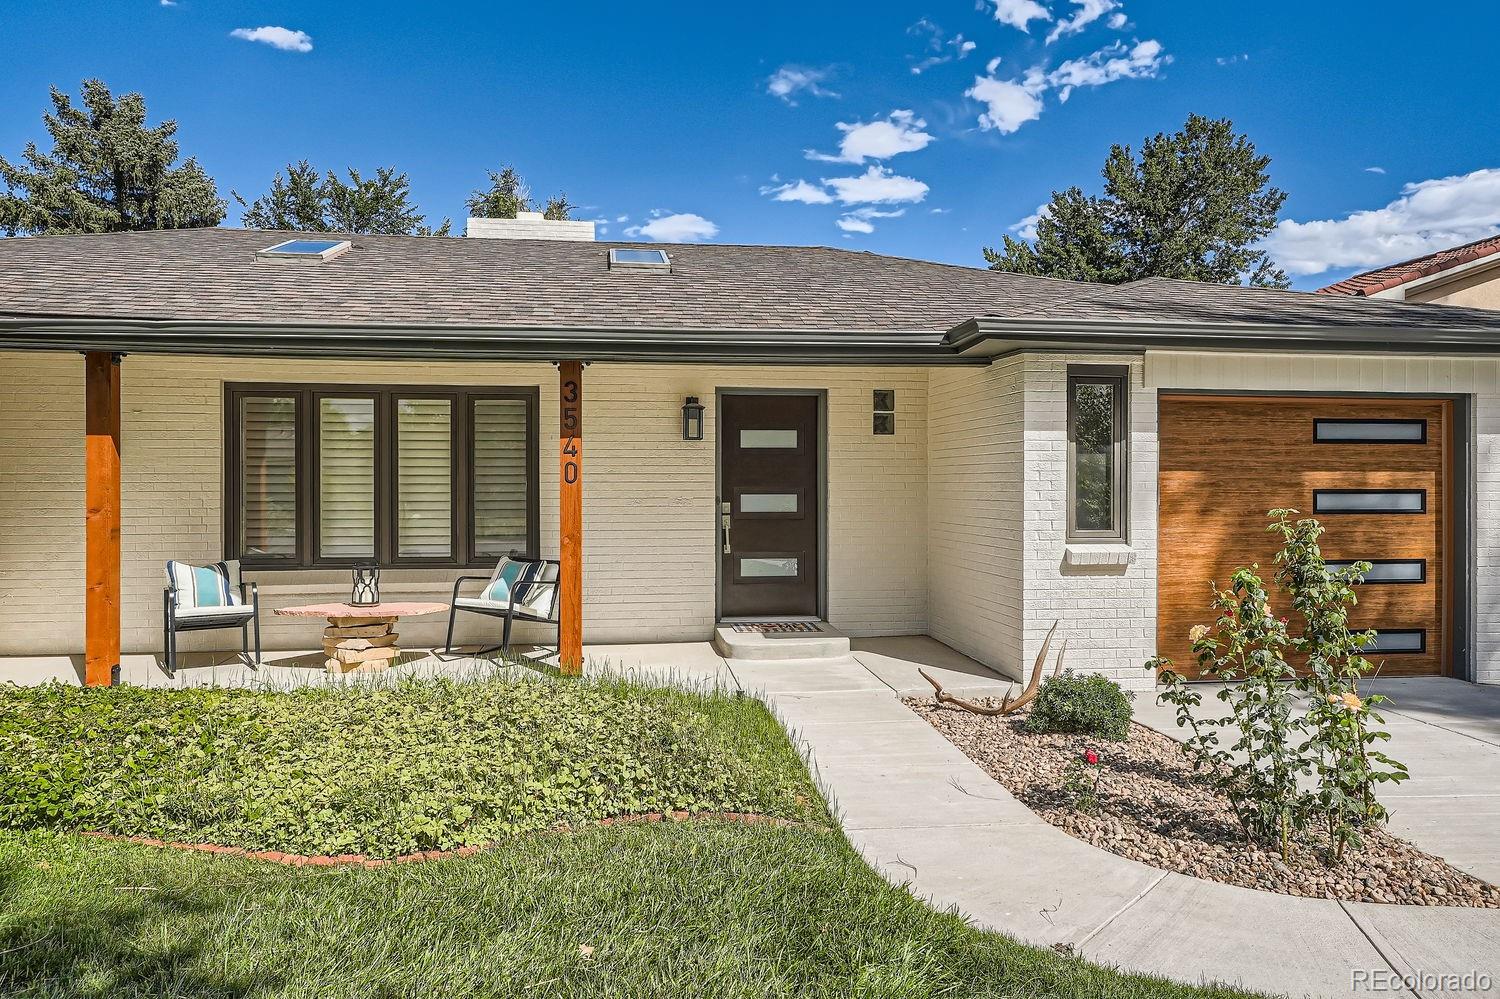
(1097, 457)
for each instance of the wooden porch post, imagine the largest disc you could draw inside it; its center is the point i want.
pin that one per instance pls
(570, 517)
(101, 517)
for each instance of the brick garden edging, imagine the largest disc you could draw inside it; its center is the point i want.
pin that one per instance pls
(360, 860)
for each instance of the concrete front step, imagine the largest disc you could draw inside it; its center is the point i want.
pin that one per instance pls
(755, 646)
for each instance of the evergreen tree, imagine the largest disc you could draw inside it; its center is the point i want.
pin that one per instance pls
(1195, 205)
(509, 195)
(107, 172)
(305, 201)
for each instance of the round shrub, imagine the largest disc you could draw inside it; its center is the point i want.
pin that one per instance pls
(1085, 703)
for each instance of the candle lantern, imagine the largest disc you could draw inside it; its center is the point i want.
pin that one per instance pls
(692, 419)
(366, 591)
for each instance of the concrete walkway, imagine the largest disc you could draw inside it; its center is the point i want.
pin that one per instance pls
(926, 816)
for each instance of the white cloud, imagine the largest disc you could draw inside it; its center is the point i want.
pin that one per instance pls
(1018, 13)
(1026, 228)
(859, 219)
(1089, 11)
(900, 132)
(285, 39)
(681, 227)
(1430, 215)
(1375, 169)
(938, 46)
(1118, 20)
(991, 66)
(807, 194)
(877, 186)
(1230, 60)
(169, 3)
(1009, 103)
(788, 81)
(1111, 63)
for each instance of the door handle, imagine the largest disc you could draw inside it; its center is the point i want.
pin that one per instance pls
(724, 512)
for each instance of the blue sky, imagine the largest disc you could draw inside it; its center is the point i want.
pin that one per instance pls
(907, 137)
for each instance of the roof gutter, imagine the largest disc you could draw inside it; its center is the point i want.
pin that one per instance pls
(1015, 335)
(151, 336)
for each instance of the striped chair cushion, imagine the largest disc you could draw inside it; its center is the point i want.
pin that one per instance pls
(508, 573)
(540, 601)
(207, 590)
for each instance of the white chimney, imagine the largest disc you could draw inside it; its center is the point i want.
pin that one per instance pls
(529, 225)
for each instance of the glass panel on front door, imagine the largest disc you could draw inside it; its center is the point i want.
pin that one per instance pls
(779, 439)
(768, 502)
(770, 568)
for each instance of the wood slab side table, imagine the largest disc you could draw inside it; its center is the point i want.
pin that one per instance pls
(361, 639)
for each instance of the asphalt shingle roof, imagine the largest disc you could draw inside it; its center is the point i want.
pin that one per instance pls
(1395, 275)
(408, 281)
(1168, 301)
(213, 274)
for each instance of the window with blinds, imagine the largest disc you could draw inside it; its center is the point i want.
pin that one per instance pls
(346, 478)
(268, 477)
(500, 469)
(424, 478)
(332, 475)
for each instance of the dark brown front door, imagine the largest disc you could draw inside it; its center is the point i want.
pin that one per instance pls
(769, 549)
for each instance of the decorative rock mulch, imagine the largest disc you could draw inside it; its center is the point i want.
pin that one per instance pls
(1154, 809)
(360, 860)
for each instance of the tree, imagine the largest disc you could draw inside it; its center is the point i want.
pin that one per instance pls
(305, 201)
(509, 195)
(107, 172)
(1194, 206)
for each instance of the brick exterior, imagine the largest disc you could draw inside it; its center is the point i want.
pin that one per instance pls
(649, 496)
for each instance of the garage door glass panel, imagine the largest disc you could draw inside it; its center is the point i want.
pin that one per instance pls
(1369, 501)
(1341, 431)
(1407, 570)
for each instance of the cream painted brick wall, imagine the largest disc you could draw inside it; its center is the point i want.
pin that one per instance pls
(648, 496)
(974, 489)
(1108, 613)
(1475, 377)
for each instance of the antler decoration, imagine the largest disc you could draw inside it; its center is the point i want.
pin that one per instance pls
(1006, 705)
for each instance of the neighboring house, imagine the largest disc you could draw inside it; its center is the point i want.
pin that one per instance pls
(1467, 275)
(891, 446)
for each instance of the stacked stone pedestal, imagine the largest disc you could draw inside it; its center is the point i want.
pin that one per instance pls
(359, 644)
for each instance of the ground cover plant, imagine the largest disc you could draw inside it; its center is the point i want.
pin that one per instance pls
(678, 909)
(384, 770)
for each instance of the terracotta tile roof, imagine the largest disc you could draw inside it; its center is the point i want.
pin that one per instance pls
(1395, 275)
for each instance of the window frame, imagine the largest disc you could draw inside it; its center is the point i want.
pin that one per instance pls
(307, 397)
(1118, 378)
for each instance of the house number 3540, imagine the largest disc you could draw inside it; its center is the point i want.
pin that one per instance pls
(570, 421)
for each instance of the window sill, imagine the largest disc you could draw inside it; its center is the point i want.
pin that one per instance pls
(1100, 553)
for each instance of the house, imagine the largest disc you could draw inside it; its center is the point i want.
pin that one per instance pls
(1467, 275)
(888, 446)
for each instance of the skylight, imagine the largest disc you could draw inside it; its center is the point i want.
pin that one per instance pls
(639, 260)
(307, 249)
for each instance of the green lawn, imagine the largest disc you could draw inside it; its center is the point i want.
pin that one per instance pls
(690, 909)
(694, 908)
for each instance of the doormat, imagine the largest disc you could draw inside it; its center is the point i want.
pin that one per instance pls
(776, 627)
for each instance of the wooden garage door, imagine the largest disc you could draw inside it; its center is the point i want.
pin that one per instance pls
(1373, 471)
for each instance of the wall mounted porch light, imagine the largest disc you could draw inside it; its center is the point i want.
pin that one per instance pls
(692, 419)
